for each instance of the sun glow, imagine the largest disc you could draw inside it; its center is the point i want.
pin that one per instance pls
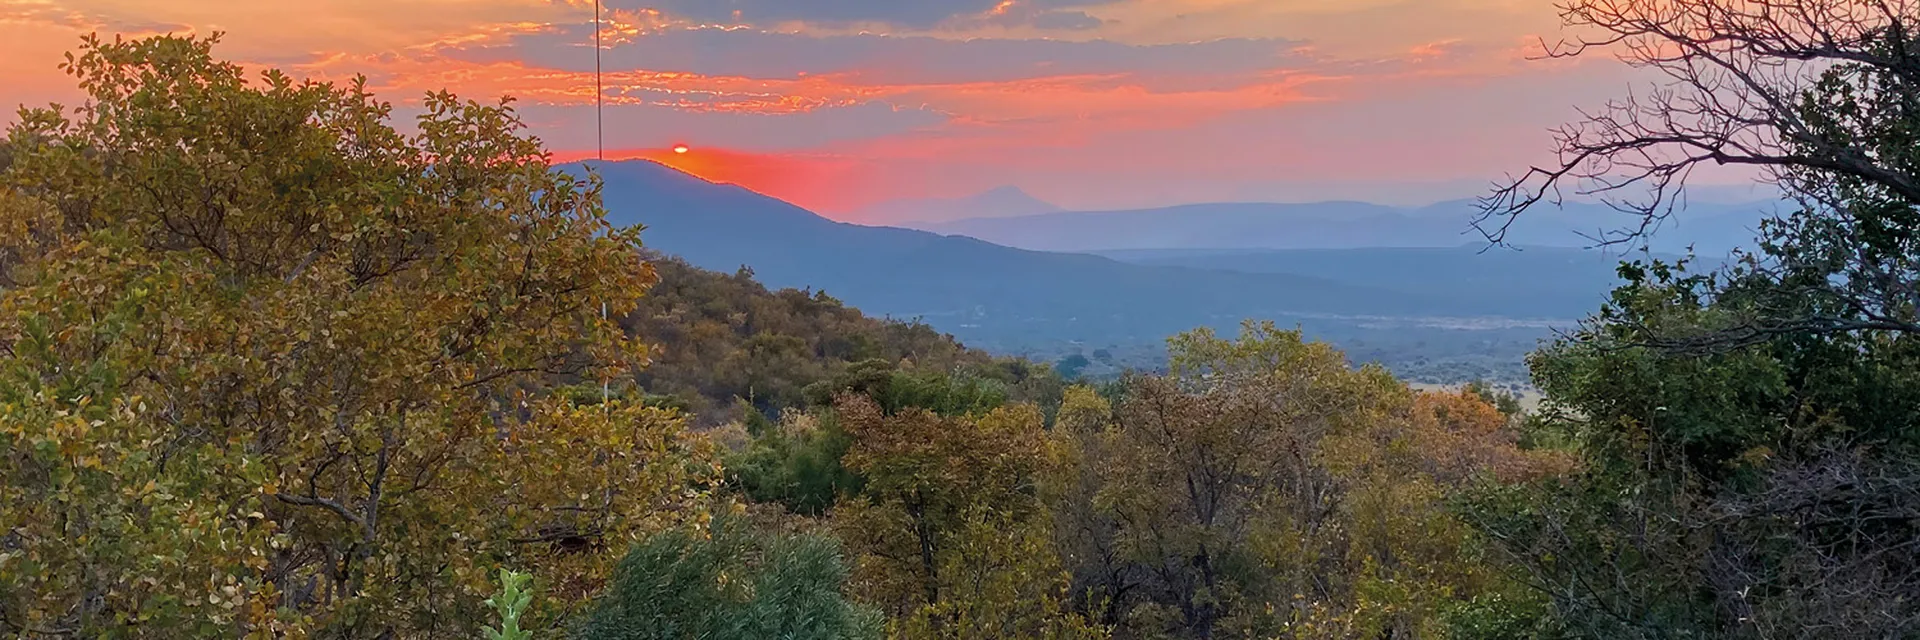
(681, 148)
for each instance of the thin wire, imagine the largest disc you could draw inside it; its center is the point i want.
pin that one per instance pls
(600, 152)
(599, 135)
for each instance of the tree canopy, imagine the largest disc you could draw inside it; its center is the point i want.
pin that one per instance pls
(274, 367)
(1747, 435)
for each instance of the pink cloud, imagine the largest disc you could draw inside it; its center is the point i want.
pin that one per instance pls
(1140, 101)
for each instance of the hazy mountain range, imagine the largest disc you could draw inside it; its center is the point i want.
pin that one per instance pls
(995, 203)
(1389, 297)
(1553, 282)
(991, 293)
(1711, 228)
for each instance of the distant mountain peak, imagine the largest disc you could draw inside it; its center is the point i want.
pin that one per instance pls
(675, 198)
(998, 202)
(1007, 191)
(1014, 200)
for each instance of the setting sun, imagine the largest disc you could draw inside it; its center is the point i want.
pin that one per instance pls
(681, 148)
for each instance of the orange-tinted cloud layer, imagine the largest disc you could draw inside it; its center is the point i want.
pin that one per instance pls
(836, 104)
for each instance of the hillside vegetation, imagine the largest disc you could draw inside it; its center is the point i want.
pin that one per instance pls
(724, 341)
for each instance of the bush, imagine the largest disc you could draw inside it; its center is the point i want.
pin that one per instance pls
(730, 581)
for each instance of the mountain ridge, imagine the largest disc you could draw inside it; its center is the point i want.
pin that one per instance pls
(1001, 201)
(983, 292)
(1385, 305)
(1714, 228)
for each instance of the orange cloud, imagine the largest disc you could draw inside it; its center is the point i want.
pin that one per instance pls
(1139, 94)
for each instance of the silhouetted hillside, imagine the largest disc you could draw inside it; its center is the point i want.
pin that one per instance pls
(986, 294)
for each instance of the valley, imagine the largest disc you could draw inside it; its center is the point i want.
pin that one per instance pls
(1444, 314)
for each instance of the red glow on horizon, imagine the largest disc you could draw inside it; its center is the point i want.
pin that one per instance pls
(819, 183)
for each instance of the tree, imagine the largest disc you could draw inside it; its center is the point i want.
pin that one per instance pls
(1508, 403)
(1717, 414)
(1818, 95)
(797, 464)
(1217, 461)
(1699, 502)
(272, 366)
(730, 581)
(1087, 534)
(1266, 489)
(1735, 75)
(951, 539)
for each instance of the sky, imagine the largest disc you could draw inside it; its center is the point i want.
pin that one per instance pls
(837, 105)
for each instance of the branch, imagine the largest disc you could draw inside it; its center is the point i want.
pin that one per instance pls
(330, 505)
(1737, 72)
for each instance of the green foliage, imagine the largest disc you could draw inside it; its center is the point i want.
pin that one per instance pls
(1514, 614)
(730, 581)
(799, 461)
(85, 489)
(797, 464)
(725, 337)
(1846, 262)
(273, 367)
(1508, 404)
(967, 519)
(941, 393)
(1721, 419)
(1720, 411)
(1707, 410)
(1005, 582)
(950, 537)
(962, 390)
(1266, 489)
(510, 603)
(1701, 471)
(593, 395)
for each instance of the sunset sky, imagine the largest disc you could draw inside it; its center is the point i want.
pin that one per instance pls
(837, 104)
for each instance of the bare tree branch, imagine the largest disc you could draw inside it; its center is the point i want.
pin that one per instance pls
(1735, 73)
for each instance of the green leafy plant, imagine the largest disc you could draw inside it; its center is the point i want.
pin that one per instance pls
(512, 600)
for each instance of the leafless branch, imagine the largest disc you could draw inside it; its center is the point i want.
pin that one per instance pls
(1733, 75)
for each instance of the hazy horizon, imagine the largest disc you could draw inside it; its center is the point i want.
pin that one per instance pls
(1087, 104)
(914, 212)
